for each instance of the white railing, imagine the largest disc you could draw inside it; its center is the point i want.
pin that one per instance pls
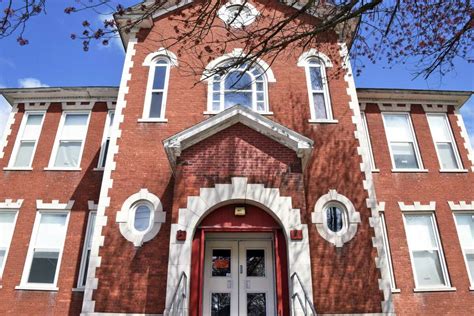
(304, 302)
(177, 307)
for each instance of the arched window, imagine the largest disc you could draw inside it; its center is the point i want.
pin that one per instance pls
(318, 90)
(335, 217)
(244, 85)
(155, 101)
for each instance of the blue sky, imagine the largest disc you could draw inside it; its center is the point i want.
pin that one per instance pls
(53, 59)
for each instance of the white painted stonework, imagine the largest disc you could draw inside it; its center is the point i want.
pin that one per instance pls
(10, 204)
(417, 207)
(239, 191)
(461, 206)
(54, 205)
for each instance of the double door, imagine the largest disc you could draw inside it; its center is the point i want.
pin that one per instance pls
(239, 278)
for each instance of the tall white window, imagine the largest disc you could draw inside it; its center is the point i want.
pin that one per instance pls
(402, 143)
(444, 142)
(429, 266)
(106, 139)
(86, 253)
(465, 227)
(388, 255)
(7, 226)
(157, 89)
(369, 143)
(27, 140)
(45, 251)
(319, 100)
(70, 139)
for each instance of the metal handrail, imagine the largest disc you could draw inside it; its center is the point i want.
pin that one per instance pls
(307, 300)
(173, 310)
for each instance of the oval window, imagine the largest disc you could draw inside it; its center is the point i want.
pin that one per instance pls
(142, 217)
(335, 218)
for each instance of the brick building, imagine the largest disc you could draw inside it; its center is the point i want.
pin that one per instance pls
(265, 191)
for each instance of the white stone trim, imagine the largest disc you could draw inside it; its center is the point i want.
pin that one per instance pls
(175, 144)
(54, 205)
(238, 191)
(303, 59)
(125, 217)
(434, 108)
(8, 130)
(161, 52)
(226, 16)
(461, 206)
(88, 304)
(351, 218)
(374, 220)
(32, 106)
(394, 107)
(10, 204)
(71, 106)
(236, 53)
(465, 136)
(417, 207)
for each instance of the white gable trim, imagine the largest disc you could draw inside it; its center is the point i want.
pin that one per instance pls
(238, 114)
(303, 59)
(161, 52)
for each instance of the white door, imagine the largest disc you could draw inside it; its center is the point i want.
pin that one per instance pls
(239, 278)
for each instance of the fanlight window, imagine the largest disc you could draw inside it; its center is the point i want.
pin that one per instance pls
(245, 86)
(318, 90)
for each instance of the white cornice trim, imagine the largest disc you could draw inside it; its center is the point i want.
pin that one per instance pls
(54, 205)
(92, 205)
(174, 145)
(461, 206)
(417, 206)
(10, 204)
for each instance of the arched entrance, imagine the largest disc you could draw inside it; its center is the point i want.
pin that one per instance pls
(239, 264)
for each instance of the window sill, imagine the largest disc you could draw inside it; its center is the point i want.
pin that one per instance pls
(17, 169)
(375, 170)
(98, 169)
(323, 121)
(61, 169)
(152, 120)
(471, 288)
(453, 170)
(215, 113)
(410, 170)
(395, 290)
(28, 287)
(435, 289)
(78, 289)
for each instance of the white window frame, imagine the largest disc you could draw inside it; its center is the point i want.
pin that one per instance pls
(369, 142)
(388, 253)
(414, 142)
(58, 139)
(24, 285)
(452, 142)
(149, 89)
(471, 277)
(106, 136)
(442, 259)
(16, 147)
(15, 211)
(87, 240)
(324, 91)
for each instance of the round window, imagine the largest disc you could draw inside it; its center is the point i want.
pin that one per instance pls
(335, 218)
(142, 217)
(238, 15)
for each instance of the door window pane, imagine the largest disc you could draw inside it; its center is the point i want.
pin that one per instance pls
(25, 152)
(255, 262)
(256, 304)
(446, 155)
(220, 304)
(43, 267)
(221, 262)
(404, 156)
(68, 154)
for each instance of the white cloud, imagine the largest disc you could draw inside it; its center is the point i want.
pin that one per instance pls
(30, 83)
(115, 41)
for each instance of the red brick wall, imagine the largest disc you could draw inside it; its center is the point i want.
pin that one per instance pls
(40, 184)
(424, 187)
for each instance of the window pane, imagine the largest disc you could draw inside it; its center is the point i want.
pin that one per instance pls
(156, 103)
(43, 267)
(160, 76)
(256, 304)
(33, 126)
(68, 154)
(334, 216)
(142, 218)
(6, 228)
(470, 264)
(220, 304)
(319, 106)
(255, 262)
(234, 98)
(238, 80)
(74, 126)
(404, 156)
(221, 262)
(86, 267)
(2, 258)
(111, 122)
(438, 128)
(446, 155)
(398, 127)
(91, 229)
(316, 78)
(420, 232)
(24, 154)
(106, 149)
(51, 231)
(428, 268)
(465, 223)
